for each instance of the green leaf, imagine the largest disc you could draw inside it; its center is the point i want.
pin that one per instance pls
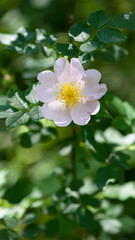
(25, 34)
(88, 137)
(30, 94)
(107, 35)
(113, 136)
(121, 192)
(71, 208)
(46, 51)
(75, 185)
(108, 174)
(35, 126)
(98, 19)
(6, 234)
(101, 152)
(7, 39)
(28, 139)
(119, 107)
(67, 49)
(111, 226)
(17, 99)
(37, 133)
(10, 222)
(52, 228)
(84, 57)
(103, 113)
(119, 159)
(89, 200)
(30, 73)
(29, 218)
(18, 43)
(80, 32)
(129, 110)
(128, 224)
(121, 123)
(17, 118)
(51, 39)
(48, 133)
(113, 53)
(3, 177)
(3, 100)
(115, 104)
(30, 49)
(35, 113)
(32, 231)
(5, 110)
(89, 46)
(124, 20)
(41, 36)
(85, 219)
(13, 49)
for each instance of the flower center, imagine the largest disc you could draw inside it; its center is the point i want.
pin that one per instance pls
(70, 94)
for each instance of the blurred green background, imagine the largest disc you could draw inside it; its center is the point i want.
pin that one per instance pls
(25, 169)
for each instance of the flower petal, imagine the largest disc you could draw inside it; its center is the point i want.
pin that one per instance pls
(47, 90)
(94, 92)
(76, 70)
(61, 70)
(92, 76)
(80, 115)
(45, 94)
(46, 76)
(92, 89)
(55, 111)
(62, 124)
(92, 107)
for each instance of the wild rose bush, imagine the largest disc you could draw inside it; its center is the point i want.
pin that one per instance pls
(69, 93)
(67, 96)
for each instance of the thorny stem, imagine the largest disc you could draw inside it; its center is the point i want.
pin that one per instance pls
(73, 153)
(20, 230)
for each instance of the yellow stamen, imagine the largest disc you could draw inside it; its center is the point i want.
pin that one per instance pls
(70, 94)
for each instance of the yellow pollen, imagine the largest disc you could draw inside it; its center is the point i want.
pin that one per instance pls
(70, 94)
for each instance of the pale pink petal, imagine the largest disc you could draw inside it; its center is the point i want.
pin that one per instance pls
(80, 115)
(91, 76)
(92, 107)
(76, 70)
(47, 90)
(92, 89)
(55, 111)
(94, 92)
(47, 77)
(63, 124)
(62, 70)
(44, 93)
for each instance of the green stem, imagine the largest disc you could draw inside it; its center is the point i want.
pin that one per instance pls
(20, 230)
(73, 153)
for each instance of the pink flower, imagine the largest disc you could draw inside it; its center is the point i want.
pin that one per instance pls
(69, 93)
